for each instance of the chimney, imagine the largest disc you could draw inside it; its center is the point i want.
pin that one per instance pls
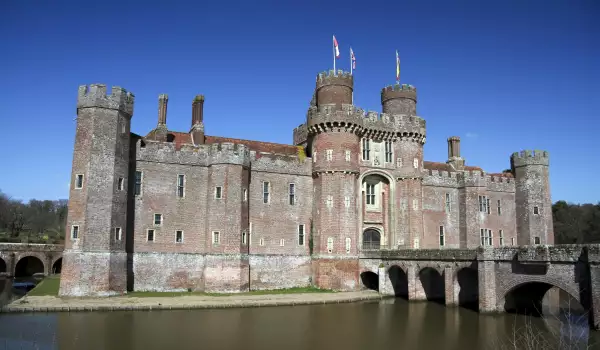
(160, 133)
(197, 131)
(454, 158)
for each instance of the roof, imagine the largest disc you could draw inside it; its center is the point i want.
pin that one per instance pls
(184, 138)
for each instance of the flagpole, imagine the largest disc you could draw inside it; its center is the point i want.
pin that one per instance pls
(333, 47)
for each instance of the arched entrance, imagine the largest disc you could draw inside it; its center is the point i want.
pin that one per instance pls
(371, 239)
(28, 266)
(433, 284)
(376, 208)
(370, 280)
(468, 282)
(2, 266)
(57, 266)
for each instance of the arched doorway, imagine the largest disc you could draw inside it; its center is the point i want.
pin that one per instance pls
(468, 282)
(57, 266)
(2, 266)
(370, 280)
(28, 266)
(371, 239)
(433, 284)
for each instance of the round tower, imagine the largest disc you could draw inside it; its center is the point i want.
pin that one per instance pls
(333, 126)
(532, 197)
(334, 88)
(399, 99)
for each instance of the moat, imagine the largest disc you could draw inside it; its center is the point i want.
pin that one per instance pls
(387, 324)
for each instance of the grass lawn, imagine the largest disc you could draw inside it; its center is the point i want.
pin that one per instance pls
(48, 286)
(254, 292)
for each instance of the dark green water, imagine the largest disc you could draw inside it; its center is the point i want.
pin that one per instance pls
(389, 324)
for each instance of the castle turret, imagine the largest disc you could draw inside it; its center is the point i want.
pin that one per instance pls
(454, 158)
(399, 99)
(95, 259)
(161, 131)
(532, 197)
(334, 88)
(332, 127)
(197, 130)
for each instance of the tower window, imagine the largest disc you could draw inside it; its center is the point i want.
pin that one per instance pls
(120, 184)
(180, 186)
(301, 235)
(347, 201)
(150, 235)
(330, 244)
(158, 219)
(536, 240)
(74, 231)
(330, 201)
(536, 210)
(447, 202)
(178, 236)
(501, 237)
(399, 162)
(245, 194)
(348, 154)
(366, 148)
(265, 192)
(216, 237)
(348, 244)
(244, 237)
(118, 233)
(415, 204)
(370, 194)
(416, 163)
(499, 207)
(442, 237)
(137, 190)
(486, 237)
(292, 194)
(261, 242)
(388, 152)
(282, 242)
(484, 204)
(329, 155)
(79, 181)
(218, 192)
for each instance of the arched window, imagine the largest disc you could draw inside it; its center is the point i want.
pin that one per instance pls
(371, 239)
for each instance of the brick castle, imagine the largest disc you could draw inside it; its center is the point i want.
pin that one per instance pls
(187, 211)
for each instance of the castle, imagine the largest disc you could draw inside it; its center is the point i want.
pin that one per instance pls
(186, 211)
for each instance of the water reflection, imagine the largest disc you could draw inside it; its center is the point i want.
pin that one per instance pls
(392, 323)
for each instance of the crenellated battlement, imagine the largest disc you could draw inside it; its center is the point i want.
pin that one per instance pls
(335, 78)
(529, 157)
(300, 134)
(472, 178)
(95, 95)
(392, 125)
(398, 91)
(203, 155)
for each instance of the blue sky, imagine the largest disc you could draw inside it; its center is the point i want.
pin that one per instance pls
(504, 75)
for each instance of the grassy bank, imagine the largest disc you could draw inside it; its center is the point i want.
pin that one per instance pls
(254, 292)
(48, 286)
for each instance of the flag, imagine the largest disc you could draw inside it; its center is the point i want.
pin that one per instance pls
(353, 59)
(337, 50)
(397, 66)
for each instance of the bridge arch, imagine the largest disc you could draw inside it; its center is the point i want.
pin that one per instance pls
(28, 266)
(2, 266)
(527, 297)
(432, 281)
(467, 279)
(399, 280)
(370, 280)
(56, 266)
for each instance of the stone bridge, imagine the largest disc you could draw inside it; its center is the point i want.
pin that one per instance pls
(488, 279)
(22, 259)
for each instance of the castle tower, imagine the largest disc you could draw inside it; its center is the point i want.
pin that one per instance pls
(454, 158)
(197, 130)
(335, 151)
(532, 197)
(401, 101)
(95, 259)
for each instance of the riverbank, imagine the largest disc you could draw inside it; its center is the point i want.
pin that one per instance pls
(188, 302)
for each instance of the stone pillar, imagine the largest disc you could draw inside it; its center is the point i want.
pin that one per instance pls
(416, 291)
(450, 287)
(486, 275)
(385, 284)
(594, 284)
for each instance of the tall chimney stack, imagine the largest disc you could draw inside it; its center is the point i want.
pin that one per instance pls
(197, 131)
(160, 133)
(454, 158)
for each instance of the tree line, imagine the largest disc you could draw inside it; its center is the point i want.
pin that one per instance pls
(45, 220)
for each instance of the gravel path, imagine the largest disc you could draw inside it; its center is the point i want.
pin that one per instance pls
(52, 303)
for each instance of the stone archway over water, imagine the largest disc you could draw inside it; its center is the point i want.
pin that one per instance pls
(528, 299)
(28, 266)
(2, 266)
(370, 280)
(399, 281)
(57, 266)
(433, 284)
(468, 282)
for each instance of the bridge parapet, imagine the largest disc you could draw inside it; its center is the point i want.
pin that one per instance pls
(421, 254)
(31, 247)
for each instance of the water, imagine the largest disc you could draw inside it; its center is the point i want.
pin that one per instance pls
(8, 291)
(389, 324)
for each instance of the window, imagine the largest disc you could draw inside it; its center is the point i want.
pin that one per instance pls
(261, 242)
(216, 237)
(150, 235)
(536, 240)
(371, 239)
(399, 162)
(347, 201)
(348, 244)
(314, 156)
(329, 201)
(329, 155)
(512, 241)
(486, 237)
(330, 244)
(370, 194)
(447, 202)
(120, 184)
(536, 211)
(250, 234)
(265, 192)
(348, 153)
(442, 237)
(282, 242)
(75, 232)
(416, 163)
(137, 190)
(180, 188)
(484, 204)
(178, 236)
(79, 181)
(416, 243)
(300, 234)
(245, 194)
(218, 192)
(415, 204)
(117, 234)
(388, 152)
(292, 193)
(499, 207)
(501, 238)
(158, 219)
(365, 149)
(244, 237)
